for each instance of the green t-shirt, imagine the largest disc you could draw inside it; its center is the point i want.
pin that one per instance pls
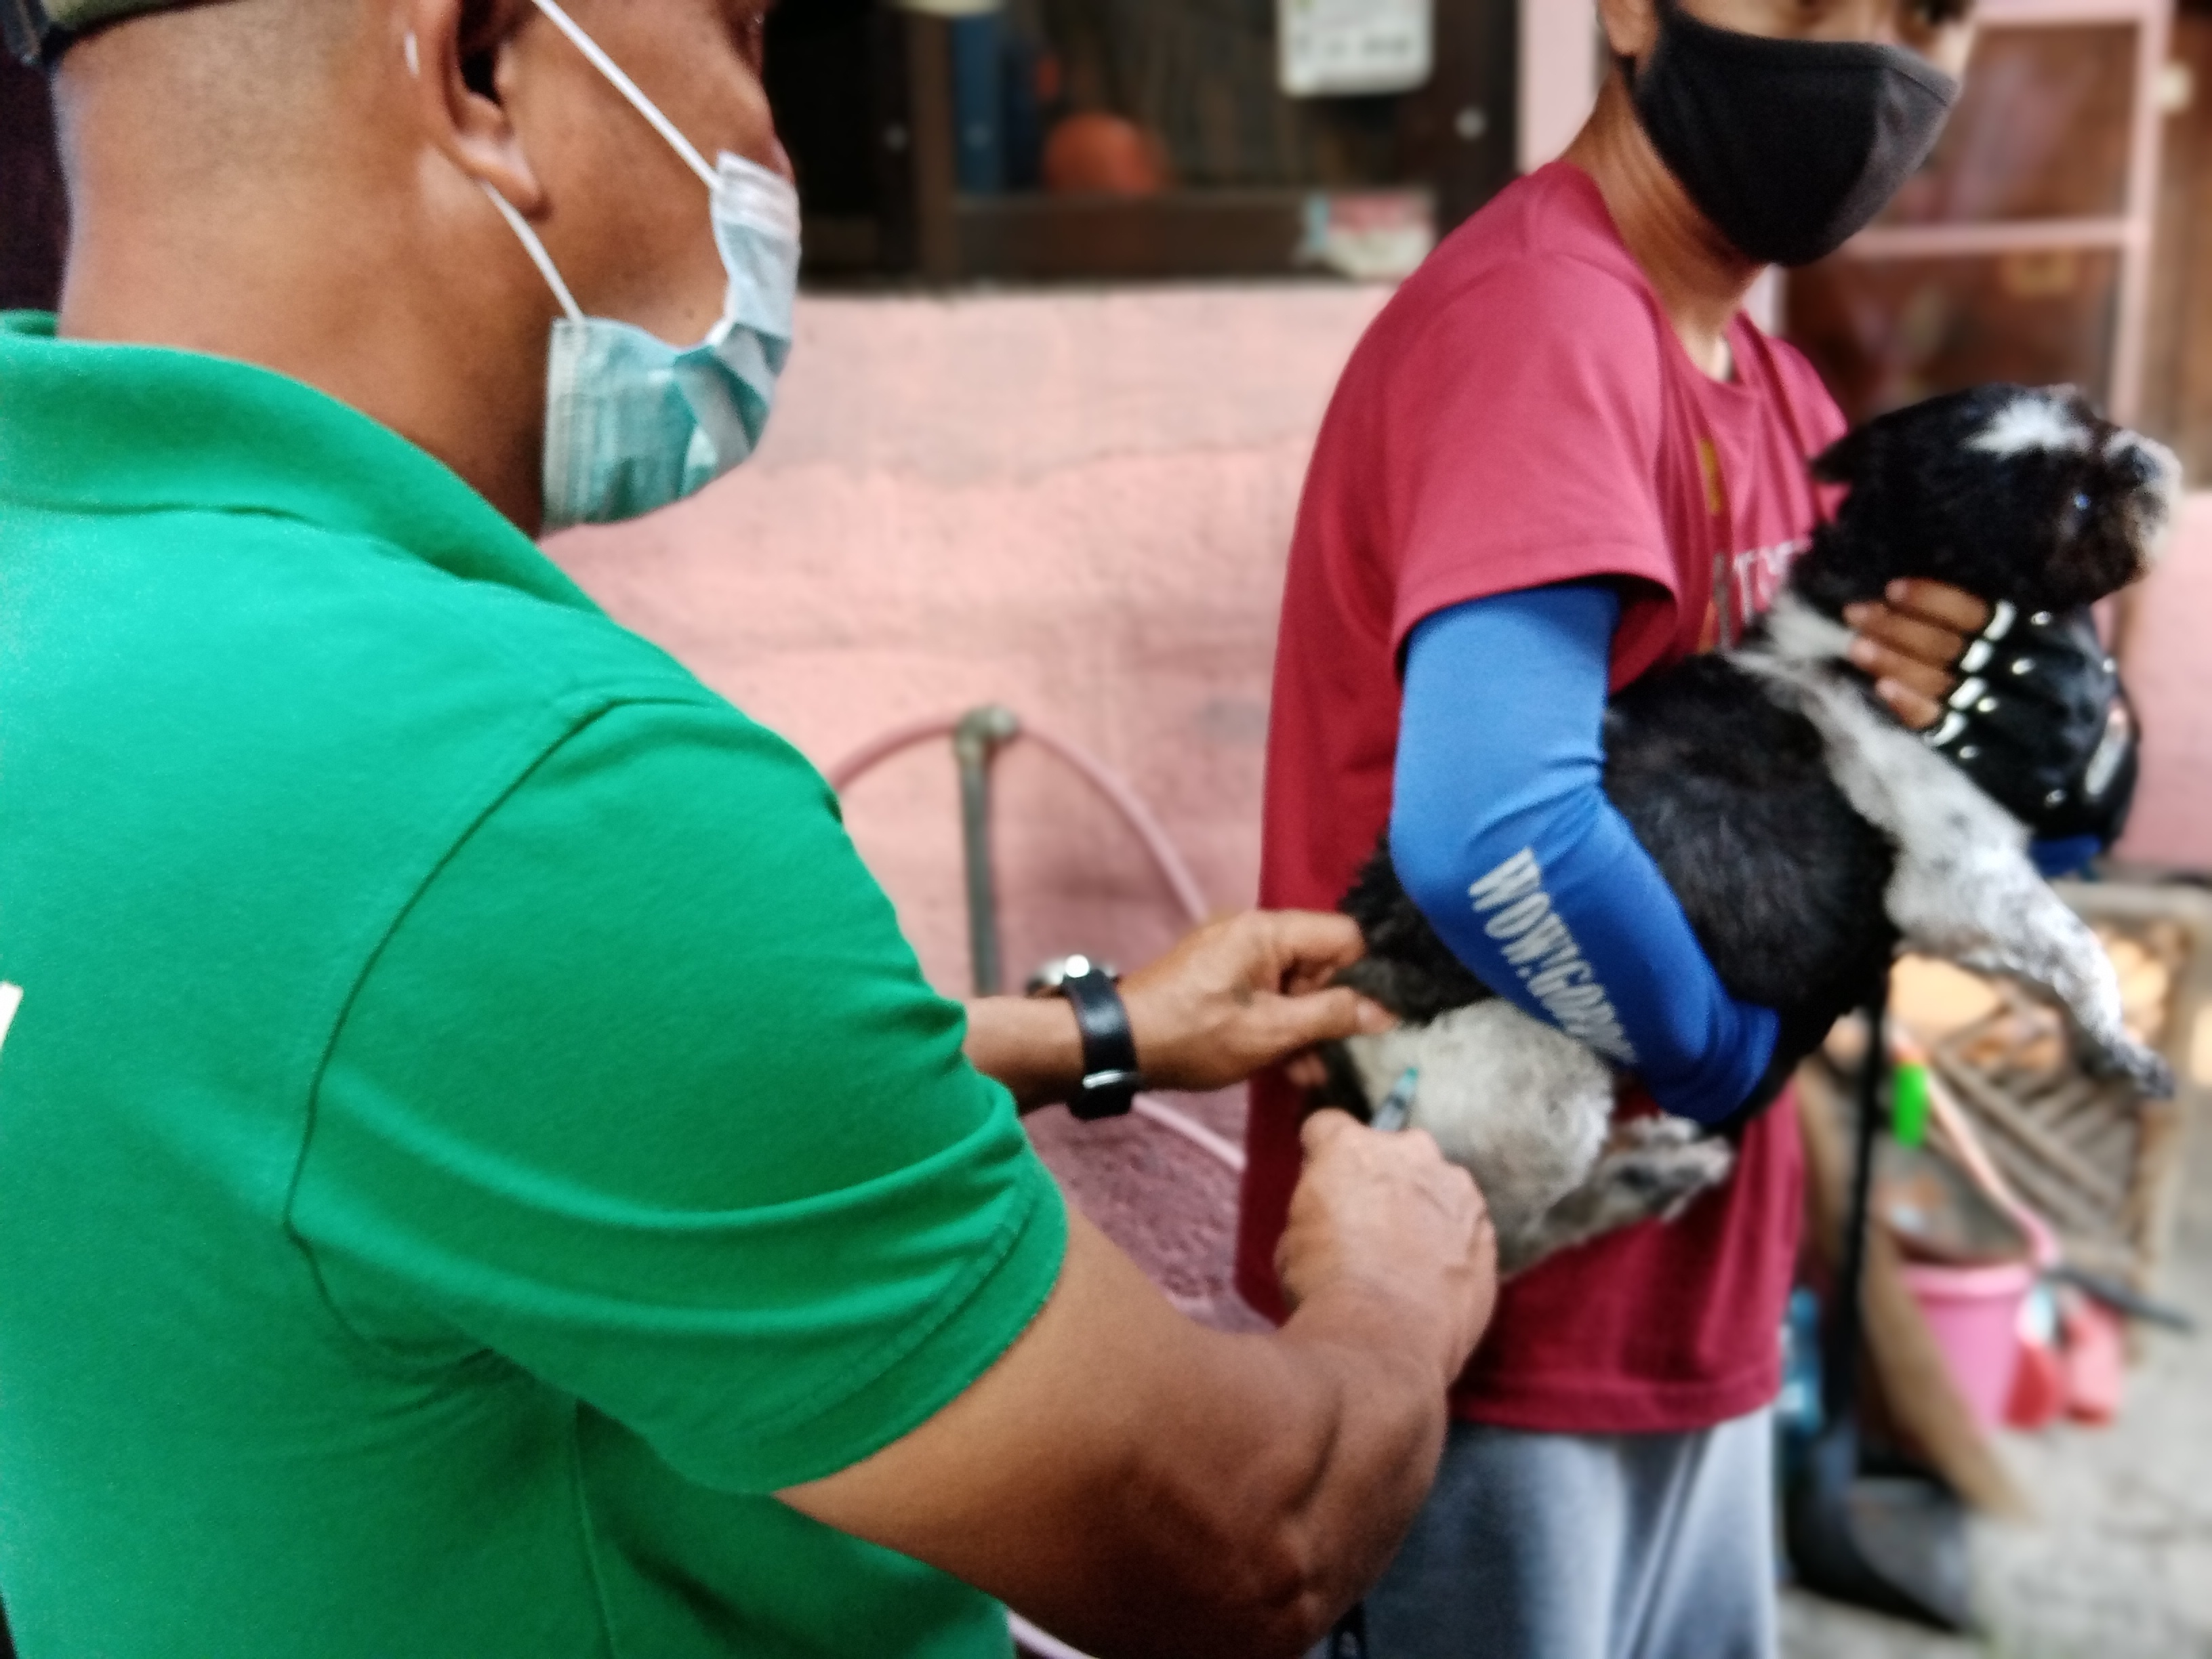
(472, 1129)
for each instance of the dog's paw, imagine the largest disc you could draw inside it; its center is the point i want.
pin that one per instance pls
(1656, 1132)
(1653, 1168)
(2144, 1068)
(1662, 1165)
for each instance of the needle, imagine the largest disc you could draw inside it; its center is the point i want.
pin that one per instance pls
(1397, 1107)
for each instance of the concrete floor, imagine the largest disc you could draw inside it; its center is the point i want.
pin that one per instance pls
(2119, 1567)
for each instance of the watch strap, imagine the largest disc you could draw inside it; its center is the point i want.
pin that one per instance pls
(1111, 1077)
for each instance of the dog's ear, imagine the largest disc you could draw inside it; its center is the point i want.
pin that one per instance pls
(1844, 461)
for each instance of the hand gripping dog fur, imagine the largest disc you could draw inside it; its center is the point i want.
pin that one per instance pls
(1807, 833)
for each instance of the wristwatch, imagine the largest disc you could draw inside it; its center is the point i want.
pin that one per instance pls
(1111, 1077)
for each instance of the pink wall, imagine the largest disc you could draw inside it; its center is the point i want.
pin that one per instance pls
(1077, 505)
(2170, 672)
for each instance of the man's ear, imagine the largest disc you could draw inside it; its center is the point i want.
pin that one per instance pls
(1845, 461)
(1632, 27)
(453, 49)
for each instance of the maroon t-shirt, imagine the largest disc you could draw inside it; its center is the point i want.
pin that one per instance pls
(1522, 414)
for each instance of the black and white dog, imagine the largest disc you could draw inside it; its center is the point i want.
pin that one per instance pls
(1807, 834)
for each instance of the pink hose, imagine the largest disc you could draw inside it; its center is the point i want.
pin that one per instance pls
(1138, 816)
(1221, 1149)
(865, 759)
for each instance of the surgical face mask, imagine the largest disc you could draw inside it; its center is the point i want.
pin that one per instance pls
(1790, 147)
(633, 424)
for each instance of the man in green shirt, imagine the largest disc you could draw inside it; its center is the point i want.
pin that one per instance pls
(480, 1173)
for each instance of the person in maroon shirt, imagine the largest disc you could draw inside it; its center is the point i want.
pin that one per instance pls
(1563, 435)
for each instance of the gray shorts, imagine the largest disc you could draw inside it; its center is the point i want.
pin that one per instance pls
(1573, 1547)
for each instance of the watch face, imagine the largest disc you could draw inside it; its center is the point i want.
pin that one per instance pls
(1051, 976)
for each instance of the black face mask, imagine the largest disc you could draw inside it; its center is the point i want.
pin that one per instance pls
(1790, 147)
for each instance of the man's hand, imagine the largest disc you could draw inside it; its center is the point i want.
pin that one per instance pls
(1233, 996)
(1141, 1485)
(1912, 645)
(1383, 1220)
(1245, 993)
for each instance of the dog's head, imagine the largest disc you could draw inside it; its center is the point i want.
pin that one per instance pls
(2007, 492)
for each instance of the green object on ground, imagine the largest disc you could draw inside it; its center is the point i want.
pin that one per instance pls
(472, 1132)
(1909, 1102)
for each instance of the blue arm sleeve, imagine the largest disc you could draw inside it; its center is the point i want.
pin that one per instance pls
(2055, 859)
(1503, 838)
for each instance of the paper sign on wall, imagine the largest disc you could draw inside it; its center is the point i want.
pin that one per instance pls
(1344, 48)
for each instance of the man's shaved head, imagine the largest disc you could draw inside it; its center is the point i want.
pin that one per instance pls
(303, 184)
(227, 81)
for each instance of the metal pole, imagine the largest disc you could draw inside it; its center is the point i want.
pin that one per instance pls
(975, 743)
(1849, 1315)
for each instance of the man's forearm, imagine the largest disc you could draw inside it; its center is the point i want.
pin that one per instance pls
(1270, 1478)
(1031, 1044)
(1142, 1486)
(1264, 1505)
(1347, 1473)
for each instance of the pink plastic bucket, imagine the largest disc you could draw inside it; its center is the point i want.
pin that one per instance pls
(1974, 1313)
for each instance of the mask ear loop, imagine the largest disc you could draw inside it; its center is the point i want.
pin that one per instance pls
(530, 245)
(627, 87)
(536, 249)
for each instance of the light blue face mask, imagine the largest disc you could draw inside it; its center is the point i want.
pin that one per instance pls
(633, 424)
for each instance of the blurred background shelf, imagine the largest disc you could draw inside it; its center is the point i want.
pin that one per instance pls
(2024, 250)
(1046, 141)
